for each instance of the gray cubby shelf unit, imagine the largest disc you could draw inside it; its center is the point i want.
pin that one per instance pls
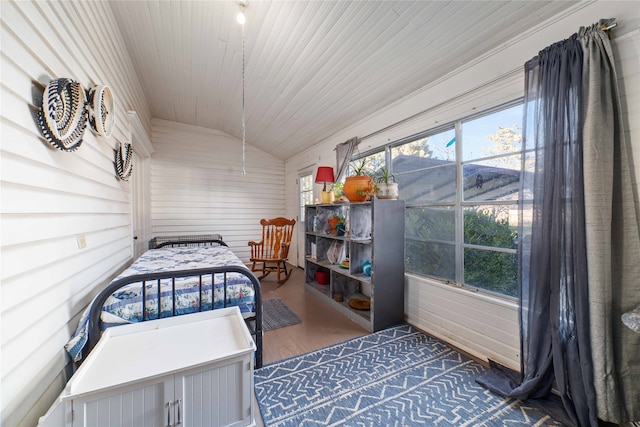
(375, 232)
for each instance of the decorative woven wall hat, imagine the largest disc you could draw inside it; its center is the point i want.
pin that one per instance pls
(63, 116)
(124, 161)
(101, 110)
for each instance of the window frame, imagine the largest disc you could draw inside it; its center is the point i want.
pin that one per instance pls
(459, 204)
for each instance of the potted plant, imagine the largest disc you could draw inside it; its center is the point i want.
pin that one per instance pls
(386, 185)
(341, 226)
(359, 186)
(338, 192)
(337, 223)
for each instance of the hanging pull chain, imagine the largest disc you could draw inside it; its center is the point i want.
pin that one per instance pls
(244, 170)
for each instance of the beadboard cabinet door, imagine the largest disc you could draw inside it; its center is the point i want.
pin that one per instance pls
(144, 405)
(216, 395)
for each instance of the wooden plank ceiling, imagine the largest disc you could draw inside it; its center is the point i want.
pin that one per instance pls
(312, 67)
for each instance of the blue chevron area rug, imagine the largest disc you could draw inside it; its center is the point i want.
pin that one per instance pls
(395, 377)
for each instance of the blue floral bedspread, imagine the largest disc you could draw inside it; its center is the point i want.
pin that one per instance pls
(125, 305)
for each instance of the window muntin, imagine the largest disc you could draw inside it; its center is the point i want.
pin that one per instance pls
(477, 182)
(491, 179)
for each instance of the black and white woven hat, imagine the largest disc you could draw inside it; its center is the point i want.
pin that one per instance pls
(63, 116)
(101, 110)
(124, 161)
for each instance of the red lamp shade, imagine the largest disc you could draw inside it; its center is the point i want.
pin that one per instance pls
(325, 174)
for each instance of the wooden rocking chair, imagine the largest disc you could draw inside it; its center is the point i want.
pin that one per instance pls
(272, 251)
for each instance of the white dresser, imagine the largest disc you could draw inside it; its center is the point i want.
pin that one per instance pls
(191, 370)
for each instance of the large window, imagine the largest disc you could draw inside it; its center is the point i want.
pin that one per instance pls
(461, 186)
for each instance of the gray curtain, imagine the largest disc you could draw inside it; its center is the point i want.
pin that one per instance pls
(344, 152)
(613, 236)
(579, 264)
(554, 294)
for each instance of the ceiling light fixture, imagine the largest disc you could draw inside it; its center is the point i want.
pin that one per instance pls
(240, 17)
(241, 20)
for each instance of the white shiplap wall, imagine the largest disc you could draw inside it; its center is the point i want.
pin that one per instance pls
(198, 186)
(483, 325)
(50, 197)
(626, 49)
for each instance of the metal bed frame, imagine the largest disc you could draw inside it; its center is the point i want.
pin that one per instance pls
(191, 240)
(173, 241)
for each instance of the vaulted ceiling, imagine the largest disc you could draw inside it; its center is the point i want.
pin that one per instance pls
(311, 67)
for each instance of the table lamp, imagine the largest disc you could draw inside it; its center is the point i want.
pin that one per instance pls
(325, 174)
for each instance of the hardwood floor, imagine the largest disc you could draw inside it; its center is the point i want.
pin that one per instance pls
(321, 325)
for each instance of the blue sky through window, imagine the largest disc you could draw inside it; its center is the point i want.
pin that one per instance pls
(474, 132)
